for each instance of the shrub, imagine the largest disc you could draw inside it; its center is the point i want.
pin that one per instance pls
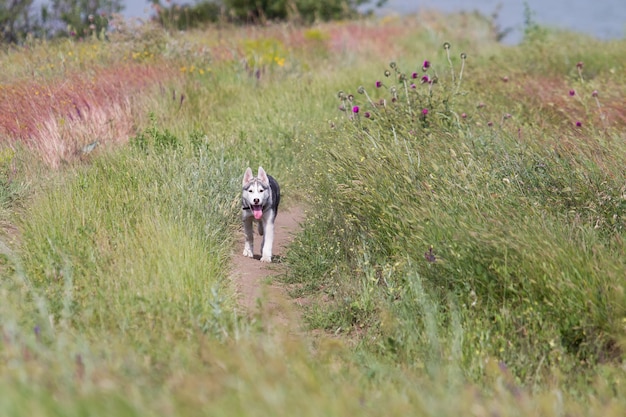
(306, 10)
(189, 17)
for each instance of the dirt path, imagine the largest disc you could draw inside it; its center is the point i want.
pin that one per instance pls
(259, 295)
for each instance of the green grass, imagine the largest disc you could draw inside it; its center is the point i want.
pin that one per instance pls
(451, 264)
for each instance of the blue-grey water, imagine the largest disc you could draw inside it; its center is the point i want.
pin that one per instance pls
(604, 19)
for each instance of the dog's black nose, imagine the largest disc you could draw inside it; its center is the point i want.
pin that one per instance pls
(256, 201)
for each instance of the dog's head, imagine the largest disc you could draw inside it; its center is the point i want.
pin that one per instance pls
(256, 191)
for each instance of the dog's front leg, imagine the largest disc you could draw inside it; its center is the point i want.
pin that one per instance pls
(249, 237)
(268, 241)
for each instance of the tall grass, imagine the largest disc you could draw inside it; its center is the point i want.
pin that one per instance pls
(512, 222)
(141, 236)
(122, 274)
(57, 119)
(460, 260)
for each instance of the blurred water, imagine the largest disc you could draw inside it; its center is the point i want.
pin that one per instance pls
(604, 19)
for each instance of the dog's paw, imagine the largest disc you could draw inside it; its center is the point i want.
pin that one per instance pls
(266, 259)
(247, 252)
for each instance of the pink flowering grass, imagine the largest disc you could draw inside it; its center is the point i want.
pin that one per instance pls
(56, 118)
(556, 101)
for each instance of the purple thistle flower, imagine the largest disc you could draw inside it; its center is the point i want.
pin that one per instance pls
(594, 93)
(579, 123)
(412, 85)
(355, 109)
(424, 112)
(379, 84)
(425, 79)
(426, 65)
(367, 115)
(572, 93)
(414, 75)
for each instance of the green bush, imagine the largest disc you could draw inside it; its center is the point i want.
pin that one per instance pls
(188, 17)
(305, 10)
(255, 11)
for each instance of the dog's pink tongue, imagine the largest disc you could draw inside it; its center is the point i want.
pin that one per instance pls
(258, 212)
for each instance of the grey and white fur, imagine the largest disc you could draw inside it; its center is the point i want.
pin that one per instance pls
(259, 203)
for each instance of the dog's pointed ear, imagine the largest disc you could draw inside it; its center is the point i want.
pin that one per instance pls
(247, 177)
(263, 176)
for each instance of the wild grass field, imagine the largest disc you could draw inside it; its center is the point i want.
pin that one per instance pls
(463, 252)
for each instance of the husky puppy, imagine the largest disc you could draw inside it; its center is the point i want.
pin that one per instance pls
(259, 203)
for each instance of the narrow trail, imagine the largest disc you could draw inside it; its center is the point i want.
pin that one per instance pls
(258, 293)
